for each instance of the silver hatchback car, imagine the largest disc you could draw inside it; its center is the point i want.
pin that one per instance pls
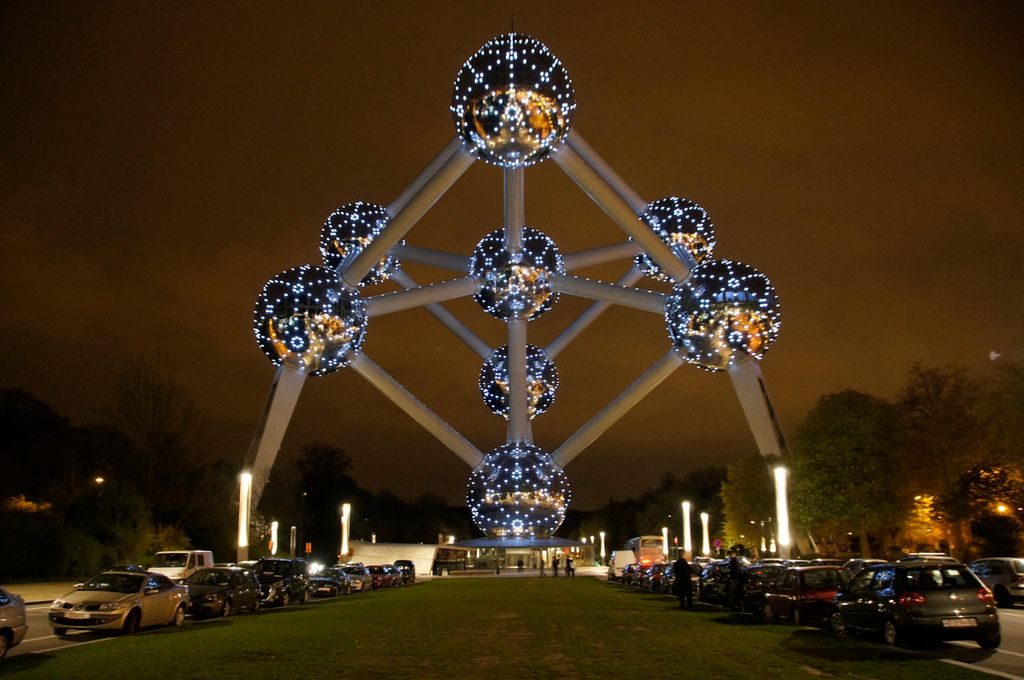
(12, 621)
(1004, 576)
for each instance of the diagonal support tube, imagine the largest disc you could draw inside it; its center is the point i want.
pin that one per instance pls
(432, 169)
(428, 191)
(447, 318)
(589, 316)
(645, 300)
(518, 400)
(415, 408)
(593, 256)
(617, 408)
(433, 258)
(596, 186)
(387, 303)
(587, 154)
(277, 412)
(748, 382)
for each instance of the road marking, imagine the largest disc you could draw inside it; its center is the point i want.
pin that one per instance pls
(1015, 615)
(41, 637)
(997, 651)
(982, 669)
(78, 644)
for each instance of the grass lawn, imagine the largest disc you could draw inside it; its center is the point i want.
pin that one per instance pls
(486, 627)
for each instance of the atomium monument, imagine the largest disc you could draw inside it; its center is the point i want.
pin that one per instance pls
(512, 105)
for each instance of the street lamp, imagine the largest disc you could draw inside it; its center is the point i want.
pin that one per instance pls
(602, 547)
(244, 498)
(782, 512)
(273, 537)
(706, 543)
(664, 542)
(687, 540)
(346, 515)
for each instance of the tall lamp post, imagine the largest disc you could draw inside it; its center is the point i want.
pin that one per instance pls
(244, 499)
(782, 512)
(664, 542)
(602, 547)
(706, 542)
(346, 514)
(687, 539)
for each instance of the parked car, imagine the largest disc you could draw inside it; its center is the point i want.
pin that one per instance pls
(222, 591)
(917, 601)
(651, 577)
(330, 582)
(632, 573)
(282, 580)
(827, 562)
(178, 565)
(408, 570)
(854, 565)
(13, 622)
(120, 600)
(760, 576)
(359, 576)
(804, 594)
(397, 577)
(1004, 576)
(929, 557)
(617, 563)
(382, 578)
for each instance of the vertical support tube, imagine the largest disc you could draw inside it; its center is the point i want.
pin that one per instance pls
(518, 399)
(515, 208)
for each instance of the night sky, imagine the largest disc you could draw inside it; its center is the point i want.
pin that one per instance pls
(160, 161)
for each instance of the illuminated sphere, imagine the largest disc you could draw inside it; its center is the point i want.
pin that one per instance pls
(516, 286)
(541, 381)
(305, 316)
(518, 492)
(351, 228)
(512, 101)
(722, 313)
(683, 226)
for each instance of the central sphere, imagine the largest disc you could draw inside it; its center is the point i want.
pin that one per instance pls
(305, 317)
(683, 226)
(518, 492)
(512, 101)
(541, 381)
(516, 285)
(348, 231)
(723, 312)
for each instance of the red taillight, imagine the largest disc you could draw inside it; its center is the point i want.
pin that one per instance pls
(986, 596)
(912, 599)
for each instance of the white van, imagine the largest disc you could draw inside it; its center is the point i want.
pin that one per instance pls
(618, 561)
(180, 564)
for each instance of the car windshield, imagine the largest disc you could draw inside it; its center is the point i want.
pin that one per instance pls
(114, 583)
(823, 578)
(940, 578)
(329, 572)
(208, 577)
(354, 570)
(274, 567)
(171, 559)
(1018, 566)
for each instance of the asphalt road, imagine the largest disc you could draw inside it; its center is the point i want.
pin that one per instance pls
(1007, 661)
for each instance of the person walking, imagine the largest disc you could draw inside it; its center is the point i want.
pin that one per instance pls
(542, 567)
(735, 574)
(519, 565)
(570, 566)
(682, 587)
(554, 566)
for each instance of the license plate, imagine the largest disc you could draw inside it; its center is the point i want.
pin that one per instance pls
(324, 590)
(959, 623)
(77, 615)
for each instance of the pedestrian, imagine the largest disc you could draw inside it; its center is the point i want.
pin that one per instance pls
(542, 567)
(554, 565)
(570, 566)
(519, 565)
(682, 587)
(735, 574)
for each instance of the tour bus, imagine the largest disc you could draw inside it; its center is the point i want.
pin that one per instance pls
(648, 549)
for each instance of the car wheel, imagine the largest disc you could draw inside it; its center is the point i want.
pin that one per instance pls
(5, 644)
(131, 622)
(890, 634)
(837, 623)
(348, 589)
(228, 609)
(179, 616)
(60, 632)
(1003, 598)
(285, 599)
(991, 642)
(256, 605)
(766, 611)
(305, 596)
(797, 619)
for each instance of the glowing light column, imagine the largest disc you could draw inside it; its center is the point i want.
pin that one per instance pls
(244, 499)
(273, 537)
(687, 539)
(705, 547)
(664, 542)
(346, 512)
(782, 512)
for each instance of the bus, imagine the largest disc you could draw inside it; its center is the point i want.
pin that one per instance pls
(648, 549)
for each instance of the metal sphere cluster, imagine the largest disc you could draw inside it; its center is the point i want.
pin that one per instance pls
(305, 316)
(516, 285)
(541, 381)
(518, 492)
(724, 312)
(512, 101)
(350, 229)
(684, 227)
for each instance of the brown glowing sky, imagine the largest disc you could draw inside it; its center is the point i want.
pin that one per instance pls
(160, 161)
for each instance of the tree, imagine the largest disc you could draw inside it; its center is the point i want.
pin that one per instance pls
(846, 457)
(748, 494)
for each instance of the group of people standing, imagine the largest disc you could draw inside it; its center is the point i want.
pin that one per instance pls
(570, 566)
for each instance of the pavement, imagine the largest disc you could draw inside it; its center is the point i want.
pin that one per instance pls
(42, 592)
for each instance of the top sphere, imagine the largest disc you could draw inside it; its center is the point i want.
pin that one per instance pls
(684, 227)
(512, 101)
(350, 229)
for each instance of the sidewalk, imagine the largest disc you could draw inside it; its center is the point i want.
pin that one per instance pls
(40, 593)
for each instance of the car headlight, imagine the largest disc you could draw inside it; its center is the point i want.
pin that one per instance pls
(112, 606)
(58, 603)
(213, 597)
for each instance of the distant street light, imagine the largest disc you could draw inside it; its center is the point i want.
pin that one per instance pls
(346, 515)
(602, 547)
(664, 542)
(273, 537)
(706, 542)
(98, 479)
(687, 540)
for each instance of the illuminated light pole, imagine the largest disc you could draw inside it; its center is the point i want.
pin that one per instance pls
(602, 547)
(782, 512)
(273, 537)
(291, 541)
(346, 514)
(244, 497)
(687, 539)
(664, 542)
(705, 547)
